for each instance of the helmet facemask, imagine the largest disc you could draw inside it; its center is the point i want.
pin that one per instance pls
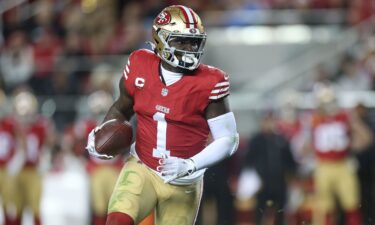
(185, 59)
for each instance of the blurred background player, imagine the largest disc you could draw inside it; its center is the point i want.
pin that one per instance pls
(334, 132)
(270, 155)
(9, 136)
(37, 135)
(365, 154)
(290, 123)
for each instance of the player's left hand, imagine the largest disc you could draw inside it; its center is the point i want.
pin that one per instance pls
(172, 168)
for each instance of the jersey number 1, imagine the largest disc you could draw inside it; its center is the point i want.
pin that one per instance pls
(161, 137)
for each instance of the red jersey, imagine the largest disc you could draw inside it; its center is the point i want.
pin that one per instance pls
(171, 119)
(36, 135)
(331, 136)
(7, 140)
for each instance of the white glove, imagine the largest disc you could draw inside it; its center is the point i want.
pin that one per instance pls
(172, 168)
(90, 147)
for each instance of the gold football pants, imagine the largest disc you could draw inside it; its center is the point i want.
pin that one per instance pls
(139, 190)
(28, 190)
(6, 187)
(335, 180)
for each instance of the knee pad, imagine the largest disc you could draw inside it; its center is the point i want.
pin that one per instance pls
(117, 218)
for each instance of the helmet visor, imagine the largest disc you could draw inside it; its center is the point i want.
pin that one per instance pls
(183, 42)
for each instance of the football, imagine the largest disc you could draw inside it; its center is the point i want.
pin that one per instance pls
(114, 138)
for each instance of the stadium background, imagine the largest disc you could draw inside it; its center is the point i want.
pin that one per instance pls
(273, 50)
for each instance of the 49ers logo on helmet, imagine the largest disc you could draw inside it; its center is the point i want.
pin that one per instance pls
(163, 18)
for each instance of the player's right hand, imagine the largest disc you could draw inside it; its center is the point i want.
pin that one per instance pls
(90, 147)
(172, 168)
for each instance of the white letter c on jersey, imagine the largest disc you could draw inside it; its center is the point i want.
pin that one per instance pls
(139, 82)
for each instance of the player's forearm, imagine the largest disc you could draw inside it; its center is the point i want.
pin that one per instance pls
(224, 132)
(215, 152)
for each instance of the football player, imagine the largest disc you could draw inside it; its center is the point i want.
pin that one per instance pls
(332, 137)
(37, 134)
(178, 101)
(8, 143)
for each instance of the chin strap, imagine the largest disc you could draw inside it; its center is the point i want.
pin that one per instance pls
(188, 61)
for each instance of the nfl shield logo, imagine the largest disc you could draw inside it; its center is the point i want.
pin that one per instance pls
(164, 92)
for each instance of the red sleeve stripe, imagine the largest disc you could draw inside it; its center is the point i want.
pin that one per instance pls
(215, 91)
(126, 70)
(125, 74)
(215, 97)
(225, 83)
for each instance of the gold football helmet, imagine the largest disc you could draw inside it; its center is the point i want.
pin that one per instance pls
(324, 93)
(325, 98)
(179, 23)
(99, 102)
(25, 104)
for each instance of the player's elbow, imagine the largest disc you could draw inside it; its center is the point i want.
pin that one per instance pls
(231, 143)
(235, 140)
